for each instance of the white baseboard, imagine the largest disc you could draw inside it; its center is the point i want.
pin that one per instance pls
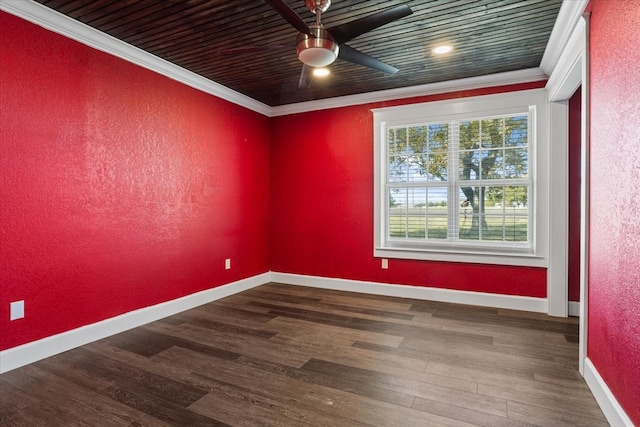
(612, 410)
(31, 352)
(540, 305)
(574, 309)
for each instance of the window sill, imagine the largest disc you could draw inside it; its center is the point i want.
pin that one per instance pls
(461, 255)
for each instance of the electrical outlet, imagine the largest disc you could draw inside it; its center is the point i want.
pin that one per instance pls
(227, 264)
(385, 264)
(17, 310)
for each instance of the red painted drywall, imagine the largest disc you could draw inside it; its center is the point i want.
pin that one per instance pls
(614, 230)
(120, 188)
(575, 120)
(322, 206)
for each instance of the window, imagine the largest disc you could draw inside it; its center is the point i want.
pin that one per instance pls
(458, 178)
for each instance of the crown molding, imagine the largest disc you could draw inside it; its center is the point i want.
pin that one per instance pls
(34, 12)
(567, 72)
(568, 17)
(499, 79)
(52, 20)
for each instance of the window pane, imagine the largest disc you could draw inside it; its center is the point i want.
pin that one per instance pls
(437, 211)
(516, 163)
(416, 227)
(468, 226)
(397, 169)
(516, 131)
(437, 226)
(397, 200)
(418, 139)
(470, 135)
(469, 165)
(438, 137)
(401, 140)
(437, 170)
(493, 227)
(516, 228)
(492, 166)
(417, 210)
(418, 167)
(516, 196)
(397, 226)
(397, 212)
(494, 199)
(516, 213)
(492, 133)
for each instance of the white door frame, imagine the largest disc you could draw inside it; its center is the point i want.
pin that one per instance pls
(570, 73)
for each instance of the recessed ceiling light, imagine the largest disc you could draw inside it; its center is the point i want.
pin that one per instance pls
(321, 72)
(439, 50)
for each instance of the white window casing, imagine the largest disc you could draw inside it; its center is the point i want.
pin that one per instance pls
(532, 251)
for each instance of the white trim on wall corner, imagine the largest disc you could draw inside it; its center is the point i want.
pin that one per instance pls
(613, 412)
(32, 352)
(539, 305)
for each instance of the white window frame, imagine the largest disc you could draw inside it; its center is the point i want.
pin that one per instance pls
(458, 109)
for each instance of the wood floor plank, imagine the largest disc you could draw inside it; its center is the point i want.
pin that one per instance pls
(82, 406)
(205, 369)
(362, 357)
(333, 380)
(243, 344)
(471, 400)
(462, 413)
(370, 411)
(552, 418)
(147, 343)
(541, 398)
(241, 407)
(282, 355)
(294, 328)
(502, 380)
(391, 328)
(322, 308)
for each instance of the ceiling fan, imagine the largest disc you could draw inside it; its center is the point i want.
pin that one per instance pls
(318, 46)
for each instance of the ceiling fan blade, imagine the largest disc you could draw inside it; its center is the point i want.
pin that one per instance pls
(350, 54)
(289, 15)
(305, 76)
(344, 32)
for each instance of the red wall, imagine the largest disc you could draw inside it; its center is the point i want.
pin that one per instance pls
(614, 254)
(120, 188)
(575, 141)
(322, 206)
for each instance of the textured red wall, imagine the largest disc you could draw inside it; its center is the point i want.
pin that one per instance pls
(120, 188)
(614, 254)
(575, 120)
(322, 207)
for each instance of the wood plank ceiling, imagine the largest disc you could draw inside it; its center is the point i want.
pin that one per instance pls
(205, 36)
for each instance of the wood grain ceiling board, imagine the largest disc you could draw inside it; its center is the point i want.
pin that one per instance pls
(246, 46)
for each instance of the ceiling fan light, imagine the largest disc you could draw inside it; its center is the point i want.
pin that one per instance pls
(317, 56)
(317, 50)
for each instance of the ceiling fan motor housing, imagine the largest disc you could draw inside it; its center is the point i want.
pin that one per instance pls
(317, 49)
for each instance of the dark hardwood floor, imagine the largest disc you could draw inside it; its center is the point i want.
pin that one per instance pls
(282, 355)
